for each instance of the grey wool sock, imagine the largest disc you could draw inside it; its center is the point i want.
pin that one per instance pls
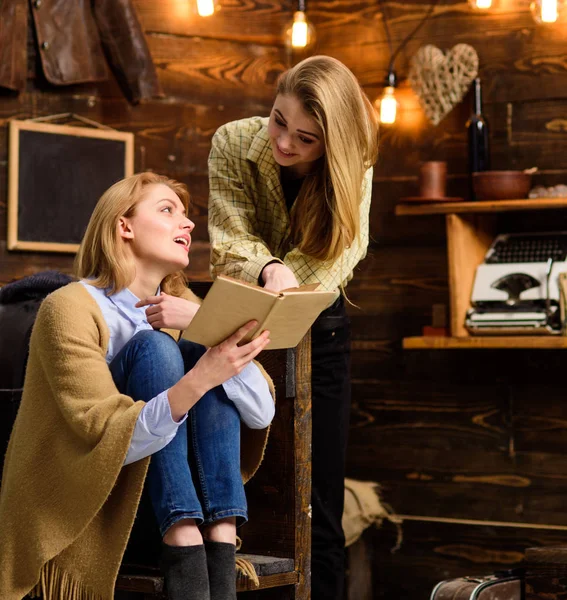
(185, 572)
(221, 562)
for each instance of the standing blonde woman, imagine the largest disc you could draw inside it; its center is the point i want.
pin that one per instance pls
(289, 205)
(111, 395)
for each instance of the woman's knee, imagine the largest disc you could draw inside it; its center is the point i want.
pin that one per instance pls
(191, 353)
(161, 348)
(158, 341)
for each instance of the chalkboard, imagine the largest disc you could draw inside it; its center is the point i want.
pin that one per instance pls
(56, 174)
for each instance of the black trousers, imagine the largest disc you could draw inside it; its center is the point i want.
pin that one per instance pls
(330, 366)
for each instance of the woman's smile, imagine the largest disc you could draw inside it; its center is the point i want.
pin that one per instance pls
(284, 153)
(184, 241)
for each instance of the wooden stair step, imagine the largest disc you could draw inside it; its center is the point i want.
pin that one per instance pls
(272, 572)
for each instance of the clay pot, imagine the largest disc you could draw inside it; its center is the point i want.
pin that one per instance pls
(501, 185)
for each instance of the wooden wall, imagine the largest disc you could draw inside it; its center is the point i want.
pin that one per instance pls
(212, 71)
(469, 445)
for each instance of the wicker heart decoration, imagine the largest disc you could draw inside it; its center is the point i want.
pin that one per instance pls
(441, 80)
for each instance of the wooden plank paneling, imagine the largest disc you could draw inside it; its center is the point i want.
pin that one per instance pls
(387, 229)
(238, 20)
(523, 135)
(521, 62)
(465, 435)
(16, 265)
(172, 135)
(198, 69)
(394, 289)
(431, 552)
(462, 437)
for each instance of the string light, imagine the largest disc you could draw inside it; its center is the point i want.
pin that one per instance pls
(205, 8)
(299, 30)
(387, 104)
(546, 11)
(300, 33)
(481, 4)
(543, 11)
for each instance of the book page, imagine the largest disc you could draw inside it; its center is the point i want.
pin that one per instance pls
(293, 315)
(312, 287)
(229, 305)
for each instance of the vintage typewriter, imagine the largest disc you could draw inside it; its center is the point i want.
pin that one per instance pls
(516, 289)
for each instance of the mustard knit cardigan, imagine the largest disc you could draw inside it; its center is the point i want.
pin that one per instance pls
(67, 503)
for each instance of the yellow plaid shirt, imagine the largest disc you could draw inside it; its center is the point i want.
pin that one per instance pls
(249, 223)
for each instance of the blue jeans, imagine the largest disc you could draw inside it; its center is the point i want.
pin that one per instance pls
(197, 475)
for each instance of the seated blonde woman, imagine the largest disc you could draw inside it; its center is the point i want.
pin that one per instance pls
(113, 400)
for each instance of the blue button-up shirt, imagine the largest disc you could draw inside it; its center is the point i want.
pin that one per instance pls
(155, 427)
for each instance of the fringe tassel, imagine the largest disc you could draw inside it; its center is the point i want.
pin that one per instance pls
(56, 584)
(245, 568)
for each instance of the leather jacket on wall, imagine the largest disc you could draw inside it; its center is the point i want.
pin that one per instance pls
(73, 38)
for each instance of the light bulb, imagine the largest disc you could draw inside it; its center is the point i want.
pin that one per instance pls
(300, 33)
(549, 11)
(205, 8)
(481, 4)
(546, 11)
(388, 106)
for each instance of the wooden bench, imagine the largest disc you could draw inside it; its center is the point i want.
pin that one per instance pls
(272, 572)
(277, 537)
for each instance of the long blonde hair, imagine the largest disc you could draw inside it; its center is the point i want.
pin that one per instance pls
(103, 256)
(326, 218)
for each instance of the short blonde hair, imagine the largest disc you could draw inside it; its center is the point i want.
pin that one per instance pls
(102, 255)
(326, 219)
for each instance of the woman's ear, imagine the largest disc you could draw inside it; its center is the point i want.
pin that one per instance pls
(125, 229)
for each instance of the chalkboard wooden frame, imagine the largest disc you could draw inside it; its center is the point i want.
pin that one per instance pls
(17, 179)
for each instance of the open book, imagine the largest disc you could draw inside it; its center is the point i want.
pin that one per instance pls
(231, 303)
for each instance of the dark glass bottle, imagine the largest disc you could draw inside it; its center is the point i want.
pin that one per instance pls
(477, 135)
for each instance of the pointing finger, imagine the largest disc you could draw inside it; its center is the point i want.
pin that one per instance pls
(149, 300)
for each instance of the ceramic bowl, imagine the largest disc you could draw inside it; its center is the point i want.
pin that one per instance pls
(501, 185)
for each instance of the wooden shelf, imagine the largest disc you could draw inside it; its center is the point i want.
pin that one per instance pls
(471, 228)
(487, 206)
(557, 342)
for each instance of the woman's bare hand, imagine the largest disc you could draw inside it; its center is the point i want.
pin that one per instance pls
(216, 366)
(278, 277)
(168, 312)
(226, 360)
